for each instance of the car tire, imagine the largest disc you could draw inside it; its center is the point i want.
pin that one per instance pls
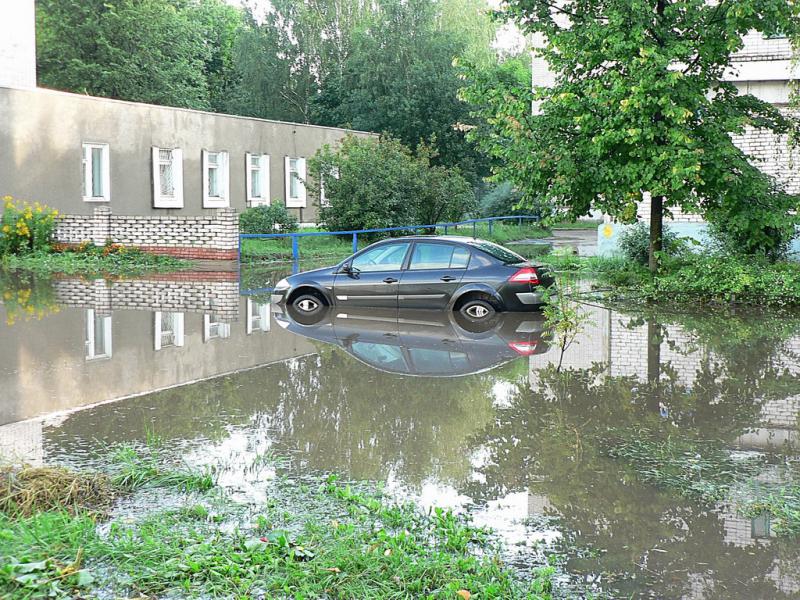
(477, 310)
(308, 304)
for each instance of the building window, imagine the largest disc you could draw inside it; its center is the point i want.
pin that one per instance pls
(98, 336)
(295, 169)
(168, 329)
(215, 179)
(96, 173)
(334, 173)
(257, 169)
(257, 316)
(167, 178)
(214, 329)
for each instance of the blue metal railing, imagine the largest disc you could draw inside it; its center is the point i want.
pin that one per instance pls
(295, 237)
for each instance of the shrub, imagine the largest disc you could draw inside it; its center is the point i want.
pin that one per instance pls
(267, 219)
(634, 243)
(763, 226)
(372, 184)
(26, 227)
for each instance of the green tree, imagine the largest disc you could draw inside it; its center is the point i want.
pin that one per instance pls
(371, 184)
(638, 106)
(399, 78)
(160, 51)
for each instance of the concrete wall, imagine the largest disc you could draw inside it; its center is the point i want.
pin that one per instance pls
(17, 44)
(42, 131)
(44, 366)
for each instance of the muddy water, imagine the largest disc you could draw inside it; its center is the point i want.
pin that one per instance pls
(479, 418)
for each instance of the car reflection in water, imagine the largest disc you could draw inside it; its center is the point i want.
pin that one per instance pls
(420, 342)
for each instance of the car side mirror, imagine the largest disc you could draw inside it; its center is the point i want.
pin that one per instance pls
(346, 268)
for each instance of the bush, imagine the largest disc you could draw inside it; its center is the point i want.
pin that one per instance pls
(372, 184)
(26, 227)
(267, 219)
(763, 226)
(634, 243)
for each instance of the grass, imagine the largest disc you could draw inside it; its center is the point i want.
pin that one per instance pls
(94, 262)
(314, 538)
(705, 471)
(576, 225)
(26, 490)
(335, 247)
(135, 468)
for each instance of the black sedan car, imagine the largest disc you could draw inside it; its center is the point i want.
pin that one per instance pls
(423, 343)
(474, 277)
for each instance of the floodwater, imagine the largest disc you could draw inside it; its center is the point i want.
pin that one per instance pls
(491, 419)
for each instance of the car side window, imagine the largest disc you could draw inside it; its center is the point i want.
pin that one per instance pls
(438, 256)
(388, 257)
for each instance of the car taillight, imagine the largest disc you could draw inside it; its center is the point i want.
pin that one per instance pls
(525, 275)
(523, 348)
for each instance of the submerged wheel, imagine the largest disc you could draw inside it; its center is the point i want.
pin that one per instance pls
(477, 309)
(308, 304)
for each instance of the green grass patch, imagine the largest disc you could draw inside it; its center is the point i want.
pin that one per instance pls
(314, 538)
(575, 224)
(93, 262)
(338, 247)
(135, 468)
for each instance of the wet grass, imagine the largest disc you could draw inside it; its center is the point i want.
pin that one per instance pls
(336, 247)
(25, 490)
(707, 472)
(95, 262)
(314, 538)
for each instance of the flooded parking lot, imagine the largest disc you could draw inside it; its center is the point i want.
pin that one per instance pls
(655, 457)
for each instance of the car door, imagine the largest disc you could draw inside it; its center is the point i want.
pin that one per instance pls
(434, 273)
(373, 277)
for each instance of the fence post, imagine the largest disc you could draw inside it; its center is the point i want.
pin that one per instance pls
(491, 227)
(445, 229)
(519, 222)
(474, 229)
(355, 243)
(295, 248)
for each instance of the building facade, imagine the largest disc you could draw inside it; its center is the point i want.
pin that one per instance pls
(75, 152)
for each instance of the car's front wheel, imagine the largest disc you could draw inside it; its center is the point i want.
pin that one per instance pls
(308, 304)
(477, 309)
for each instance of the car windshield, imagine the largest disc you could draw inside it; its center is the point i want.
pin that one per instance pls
(500, 253)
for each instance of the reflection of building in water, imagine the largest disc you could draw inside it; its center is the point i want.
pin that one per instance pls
(116, 339)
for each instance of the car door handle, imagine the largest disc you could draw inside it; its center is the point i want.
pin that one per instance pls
(390, 280)
(448, 278)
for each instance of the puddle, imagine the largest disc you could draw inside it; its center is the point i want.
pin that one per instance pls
(439, 411)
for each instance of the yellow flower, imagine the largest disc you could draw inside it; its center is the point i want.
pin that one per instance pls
(6, 229)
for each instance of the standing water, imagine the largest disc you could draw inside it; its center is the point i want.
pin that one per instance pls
(655, 457)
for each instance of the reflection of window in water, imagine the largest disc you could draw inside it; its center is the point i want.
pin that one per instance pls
(383, 355)
(214, 329)
(760, 526)
(257, 316)
(437, 361)
(168, 329)
(98, 336)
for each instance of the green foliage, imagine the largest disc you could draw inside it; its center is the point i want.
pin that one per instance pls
(94, 260)
(267, 219)
(501, 200)
(25, 227)
(762, 226)
(26, 296)
(160, 51)
(371, 184)
(634, 242)
(134, 468)
(621, 119)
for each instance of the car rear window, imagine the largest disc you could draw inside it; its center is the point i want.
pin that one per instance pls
(500, 253)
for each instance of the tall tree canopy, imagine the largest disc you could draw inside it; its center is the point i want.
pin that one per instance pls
(638, 106)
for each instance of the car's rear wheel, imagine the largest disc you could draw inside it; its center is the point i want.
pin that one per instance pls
(308, 303)
(477, 309)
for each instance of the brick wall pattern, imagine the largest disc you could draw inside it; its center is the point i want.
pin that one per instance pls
(212, 236)
(218, 298)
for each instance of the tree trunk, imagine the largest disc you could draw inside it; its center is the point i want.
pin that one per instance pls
(656, 231)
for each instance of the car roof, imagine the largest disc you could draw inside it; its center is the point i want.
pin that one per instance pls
(461, 239)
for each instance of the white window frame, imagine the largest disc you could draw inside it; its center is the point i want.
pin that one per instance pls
(262, 317)
(223, 330)
(223, 181)
(263, 173)
(300, 200)
(88, 165)
(177, 332)
(89, 341)
(323, 200)
(176, 200)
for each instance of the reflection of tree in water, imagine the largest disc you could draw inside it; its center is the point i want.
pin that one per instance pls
(329, 410)
(553, 442)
